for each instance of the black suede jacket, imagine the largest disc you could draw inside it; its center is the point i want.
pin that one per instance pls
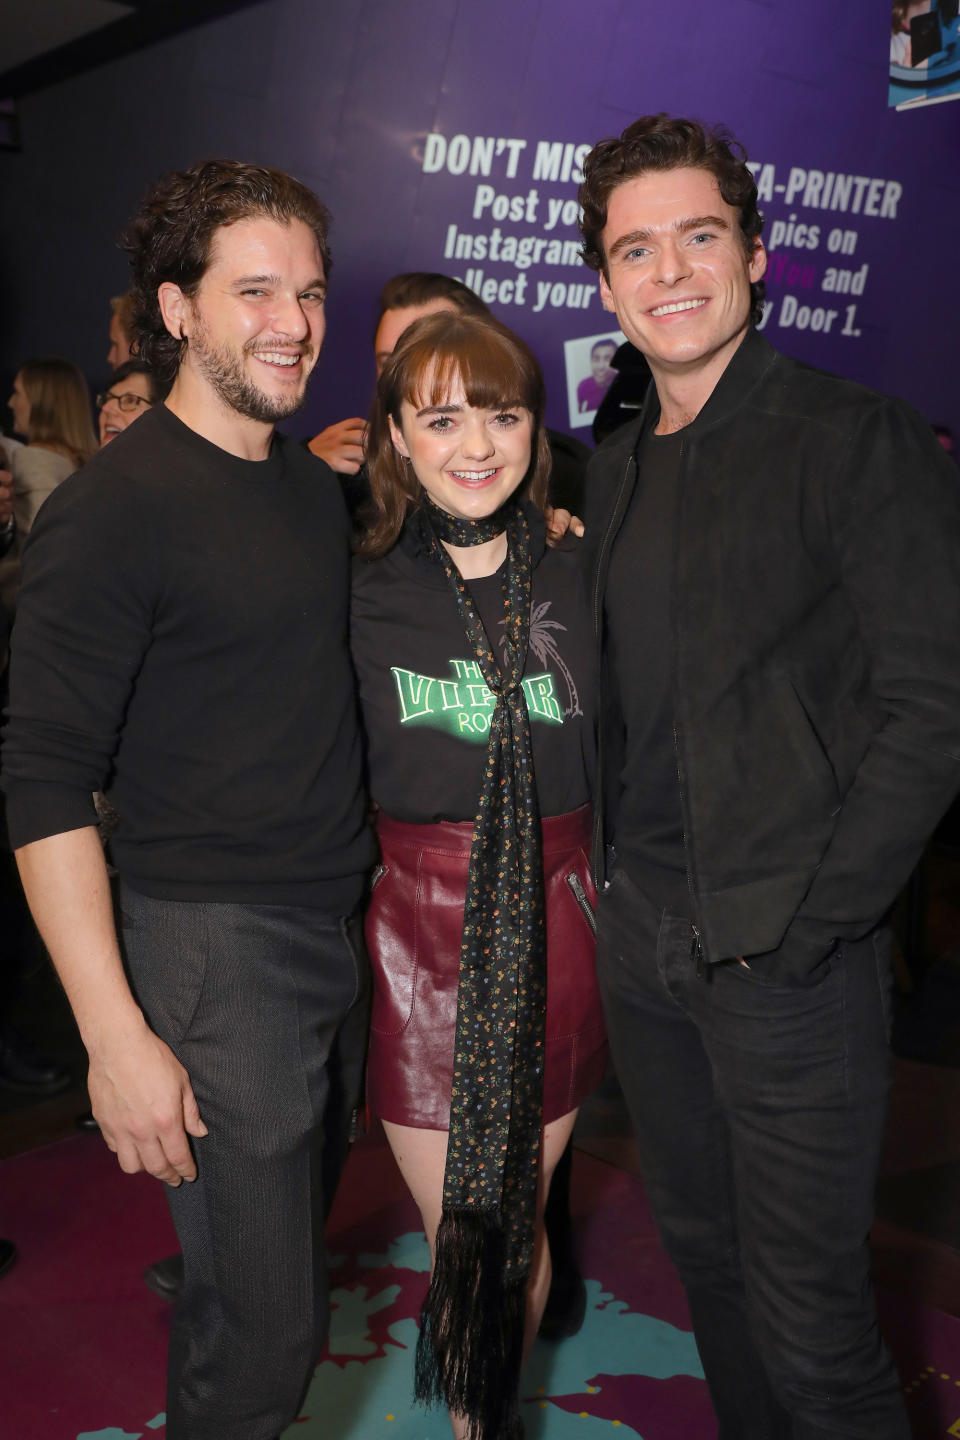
(816, 627)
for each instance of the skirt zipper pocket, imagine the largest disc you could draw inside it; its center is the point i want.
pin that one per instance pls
(582, 899)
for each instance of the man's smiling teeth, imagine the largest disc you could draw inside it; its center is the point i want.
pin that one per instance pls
(277, 357)
(473, 474)
(678, 305)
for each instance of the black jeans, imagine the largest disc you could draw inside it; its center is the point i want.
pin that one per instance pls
(759, 1114)
(267, 1007)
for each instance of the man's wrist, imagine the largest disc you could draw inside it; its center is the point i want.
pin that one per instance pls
(125, 1026)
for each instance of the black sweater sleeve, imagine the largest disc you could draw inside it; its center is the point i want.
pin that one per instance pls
(73, 660)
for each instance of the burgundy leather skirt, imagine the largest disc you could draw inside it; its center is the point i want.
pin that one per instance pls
(413, 927)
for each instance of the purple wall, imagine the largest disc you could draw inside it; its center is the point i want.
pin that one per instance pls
(345, 96)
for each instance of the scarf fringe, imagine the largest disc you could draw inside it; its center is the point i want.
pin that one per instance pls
(470, 1347)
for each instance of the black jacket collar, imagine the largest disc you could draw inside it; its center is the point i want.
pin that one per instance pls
(750, 363)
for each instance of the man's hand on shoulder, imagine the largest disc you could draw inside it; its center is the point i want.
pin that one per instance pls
(341, 445)
(559, 522)
(143, 1101)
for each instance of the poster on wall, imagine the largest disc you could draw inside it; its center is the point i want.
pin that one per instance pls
(500, 214)
(590, 372)
(924, 52)
(463, 155)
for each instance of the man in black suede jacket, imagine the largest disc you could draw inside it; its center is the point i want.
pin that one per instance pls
(775, 557)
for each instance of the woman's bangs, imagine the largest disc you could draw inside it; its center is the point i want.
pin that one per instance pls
(489, 371)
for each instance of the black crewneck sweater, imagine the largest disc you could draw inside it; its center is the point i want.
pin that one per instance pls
(181, 641)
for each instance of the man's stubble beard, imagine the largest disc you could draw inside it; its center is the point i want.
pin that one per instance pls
(224, 371)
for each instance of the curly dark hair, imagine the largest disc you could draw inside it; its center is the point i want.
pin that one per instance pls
(170, 237)
(663, 142)
(497, 369)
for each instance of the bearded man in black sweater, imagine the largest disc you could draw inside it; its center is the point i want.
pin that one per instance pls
(181, 642)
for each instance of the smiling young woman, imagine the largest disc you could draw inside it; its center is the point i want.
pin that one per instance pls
(472, 647)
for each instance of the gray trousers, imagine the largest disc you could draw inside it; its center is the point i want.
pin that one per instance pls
(266, 1006)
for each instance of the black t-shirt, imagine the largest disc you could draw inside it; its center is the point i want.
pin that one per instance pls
(426, 709)
(648, 824)
(182, 633)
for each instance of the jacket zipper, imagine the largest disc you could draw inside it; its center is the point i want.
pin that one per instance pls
(598, 857)
(696, 944)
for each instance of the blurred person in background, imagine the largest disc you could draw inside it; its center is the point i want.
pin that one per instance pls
(121, 330)
(403, 299)
(50, 405)
(132, 388)
(6, 496)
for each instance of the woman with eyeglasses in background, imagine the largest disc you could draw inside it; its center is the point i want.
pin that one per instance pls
(133, 388)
